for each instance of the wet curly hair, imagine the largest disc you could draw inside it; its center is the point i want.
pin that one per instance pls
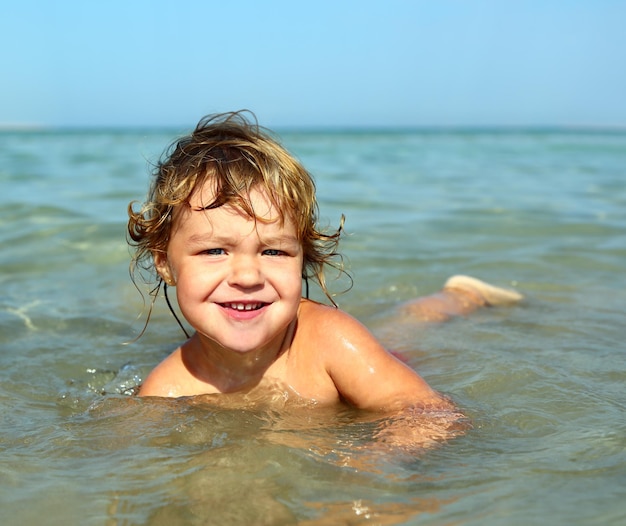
(234, 154)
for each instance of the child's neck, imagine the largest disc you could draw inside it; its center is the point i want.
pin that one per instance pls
(232, 371)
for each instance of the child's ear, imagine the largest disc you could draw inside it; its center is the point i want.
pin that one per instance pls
(163, 268)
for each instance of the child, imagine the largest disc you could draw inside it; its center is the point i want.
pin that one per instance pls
(231, 222)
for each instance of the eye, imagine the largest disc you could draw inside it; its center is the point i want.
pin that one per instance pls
(274, 252)
(213, 252)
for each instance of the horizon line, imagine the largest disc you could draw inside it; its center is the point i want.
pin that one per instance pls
(326, 128)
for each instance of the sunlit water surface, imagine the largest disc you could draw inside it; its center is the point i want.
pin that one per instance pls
(542, 382)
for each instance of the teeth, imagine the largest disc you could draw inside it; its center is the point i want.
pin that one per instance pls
(244, 306)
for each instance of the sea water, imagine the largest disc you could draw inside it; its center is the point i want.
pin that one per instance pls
(542, 382)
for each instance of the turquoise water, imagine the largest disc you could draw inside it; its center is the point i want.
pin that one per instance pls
(542, 382)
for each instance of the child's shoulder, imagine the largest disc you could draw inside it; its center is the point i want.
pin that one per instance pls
(314, 312)
(326, 324)
(169, 378)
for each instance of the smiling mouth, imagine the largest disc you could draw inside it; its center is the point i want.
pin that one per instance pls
(242, 307)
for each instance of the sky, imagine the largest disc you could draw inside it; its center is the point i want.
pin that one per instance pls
(327, 63)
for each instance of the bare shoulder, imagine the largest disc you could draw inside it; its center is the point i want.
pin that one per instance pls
(166, 378)
(329, 322)
(338, 336)
(364, 372)
(333, 333)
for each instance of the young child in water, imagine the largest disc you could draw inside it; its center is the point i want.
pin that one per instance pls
(231, 222)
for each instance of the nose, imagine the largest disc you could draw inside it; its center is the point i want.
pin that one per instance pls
(245, 272)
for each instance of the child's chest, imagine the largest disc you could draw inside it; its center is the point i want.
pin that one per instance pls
(305, 376)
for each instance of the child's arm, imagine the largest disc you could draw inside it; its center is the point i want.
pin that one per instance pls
(364, 373)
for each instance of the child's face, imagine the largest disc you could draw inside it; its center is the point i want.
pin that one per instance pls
(238, 281)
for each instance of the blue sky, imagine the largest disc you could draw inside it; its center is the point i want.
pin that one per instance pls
(323, 63)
